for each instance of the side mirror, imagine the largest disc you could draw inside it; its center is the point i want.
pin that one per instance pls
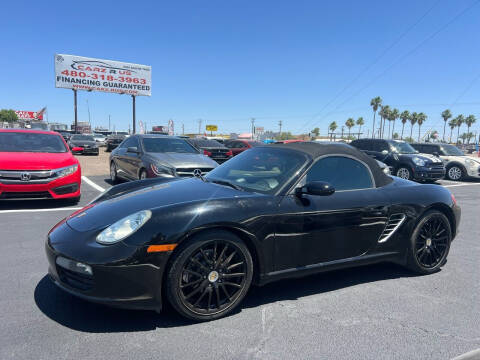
(319, 188)
(435, 153)
(133, 149)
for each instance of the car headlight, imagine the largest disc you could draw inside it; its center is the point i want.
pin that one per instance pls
(124, 227)
(161, 170)
(418, 161)
(386, 170)
(65, 171)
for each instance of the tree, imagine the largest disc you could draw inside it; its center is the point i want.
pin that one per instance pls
(395, 136)
(375, 104)
(404, 116)
(360, 123)
(420, 120)
(286, 136)
(453, 124)
(460, 119)
(8, 116)
(433, 135)
(394, 114)
(463, 137)
(469, 136)
(316, 131)
(349, 124)
(470, 120)
(413, 119)
(445, 115)
(384, 114)
(409, 139)
(332, 127)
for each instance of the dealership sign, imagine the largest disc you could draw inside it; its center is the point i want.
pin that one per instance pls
(81, 73)
(29, 115)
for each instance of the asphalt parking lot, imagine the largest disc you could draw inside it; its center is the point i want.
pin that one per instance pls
(380, 311)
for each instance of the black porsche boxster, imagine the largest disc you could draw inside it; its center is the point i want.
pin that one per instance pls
(272, 212)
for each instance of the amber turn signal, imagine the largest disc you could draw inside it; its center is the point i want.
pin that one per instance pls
(161, 248)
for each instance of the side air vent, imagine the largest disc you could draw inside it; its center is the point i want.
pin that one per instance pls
(393, 224)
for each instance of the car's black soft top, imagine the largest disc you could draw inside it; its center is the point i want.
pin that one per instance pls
(316, 150)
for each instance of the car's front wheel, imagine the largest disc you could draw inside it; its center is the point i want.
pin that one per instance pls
(430, 243)
(455, 173)
(404, 173)
(113, 173)
(209, 276)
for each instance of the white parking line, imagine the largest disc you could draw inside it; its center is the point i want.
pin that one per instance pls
(40, 210)
(92, 184)
(464, 184)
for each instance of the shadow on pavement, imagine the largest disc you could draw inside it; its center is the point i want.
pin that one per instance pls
(81, 315)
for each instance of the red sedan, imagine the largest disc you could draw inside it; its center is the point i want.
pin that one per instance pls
(238, 146)
(37, 165)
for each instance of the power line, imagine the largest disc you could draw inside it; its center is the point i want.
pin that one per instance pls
(375, 61)
(399, 60)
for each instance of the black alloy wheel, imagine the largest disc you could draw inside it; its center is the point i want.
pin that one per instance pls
(210, 276)
(430, 243)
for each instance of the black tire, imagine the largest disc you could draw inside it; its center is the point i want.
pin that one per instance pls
(142, 175)
(429, 243)
(113, 173)
(455, 172)
(209, 276)
(404, 172)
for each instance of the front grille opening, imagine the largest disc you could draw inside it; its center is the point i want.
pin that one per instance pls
(74, 279)
(26, 195)
(393, 224)
(66, 189)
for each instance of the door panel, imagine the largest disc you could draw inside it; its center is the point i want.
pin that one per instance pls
(319, 229)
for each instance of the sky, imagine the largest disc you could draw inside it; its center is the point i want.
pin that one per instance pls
(305, 63)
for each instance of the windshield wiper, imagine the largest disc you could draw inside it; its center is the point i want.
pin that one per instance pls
(227, 183)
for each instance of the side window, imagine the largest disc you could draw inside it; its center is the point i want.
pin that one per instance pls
(241, 145)
(426, 149)
(127, 143)
(342, 173)
(230, 144)
(381, 145)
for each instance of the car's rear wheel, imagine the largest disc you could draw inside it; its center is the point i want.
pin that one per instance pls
(113, 172)
(404, 173)
(455, 173)
(430, 243)
(143, 174)
(210, 276)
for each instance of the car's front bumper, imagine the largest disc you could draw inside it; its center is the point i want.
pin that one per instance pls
(473, 171)
(127, 277)
(60, 188)
(429, 173)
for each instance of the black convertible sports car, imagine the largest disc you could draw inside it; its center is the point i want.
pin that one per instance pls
(269, 213)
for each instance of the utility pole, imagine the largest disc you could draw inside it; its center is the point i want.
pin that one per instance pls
(199, 126)
(88, 109)
(108, 122)
(183, 129)
(75, 109)
(342, 130)
(253, 126)
(280, 130)
(133, 111)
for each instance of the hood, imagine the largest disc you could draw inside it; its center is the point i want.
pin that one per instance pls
(425, 157)
(179, 160)
(155, 197)
(460, 159)
(82, 142)
(432, 158)
(35, 161)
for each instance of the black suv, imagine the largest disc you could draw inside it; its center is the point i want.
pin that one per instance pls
(403, 160)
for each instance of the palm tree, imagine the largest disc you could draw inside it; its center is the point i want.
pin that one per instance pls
(420, 120)
(470, 120)
(360, 123)
(375, 103)
(445, 115)
(404, 116)
(349, 124)
(460, 119)
(384, 113)
(332, 127)
(413, 119)
(463, 137)
(453, 124)
(394, 116)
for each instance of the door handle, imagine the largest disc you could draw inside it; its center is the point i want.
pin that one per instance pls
(377, 210)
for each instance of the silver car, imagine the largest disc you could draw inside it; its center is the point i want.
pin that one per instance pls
(148, 156)
(458, 165)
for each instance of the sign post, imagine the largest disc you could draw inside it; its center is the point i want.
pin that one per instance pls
(133, 108)
(75, 109)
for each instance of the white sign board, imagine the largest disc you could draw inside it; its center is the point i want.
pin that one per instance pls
(81, 73)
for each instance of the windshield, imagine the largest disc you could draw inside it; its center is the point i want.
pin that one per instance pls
(403, 147)
(163, 145)
(205, 143)
(31, 142)
(264, 170)
(451, 150)
(82, 138)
